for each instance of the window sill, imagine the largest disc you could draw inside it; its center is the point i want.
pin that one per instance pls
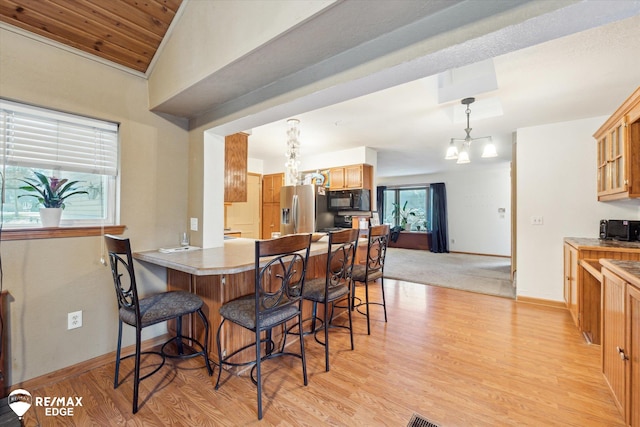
(59, 232)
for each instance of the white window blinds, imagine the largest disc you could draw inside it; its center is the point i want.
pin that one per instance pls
(41, 138)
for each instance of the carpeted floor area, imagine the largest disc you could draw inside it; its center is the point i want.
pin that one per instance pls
(475, 273)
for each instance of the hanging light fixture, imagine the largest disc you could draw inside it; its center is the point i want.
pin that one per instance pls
(293, 152)
(462, 155)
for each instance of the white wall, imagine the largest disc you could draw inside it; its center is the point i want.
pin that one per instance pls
(557, 180)
(474, 196)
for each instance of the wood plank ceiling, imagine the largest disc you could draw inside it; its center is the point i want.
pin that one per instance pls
(126, 32)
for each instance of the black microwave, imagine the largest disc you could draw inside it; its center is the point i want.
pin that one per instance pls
(620, 229)
(349, 200)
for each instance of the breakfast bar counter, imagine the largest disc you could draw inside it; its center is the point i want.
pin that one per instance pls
(236, 256)
(219, 275)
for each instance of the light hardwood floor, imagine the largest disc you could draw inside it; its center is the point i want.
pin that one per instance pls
(457, 358)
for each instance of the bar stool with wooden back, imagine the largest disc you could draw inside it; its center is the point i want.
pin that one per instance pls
(335, 286)
(143, 312)
(280, 270)
(372, 270)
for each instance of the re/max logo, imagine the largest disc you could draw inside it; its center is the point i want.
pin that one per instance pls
(62, 406)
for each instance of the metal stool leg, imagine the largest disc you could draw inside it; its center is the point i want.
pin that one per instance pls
(384, 304)
(116, 379)
(136, 375)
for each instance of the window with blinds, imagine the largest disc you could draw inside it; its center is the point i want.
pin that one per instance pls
(61, 145)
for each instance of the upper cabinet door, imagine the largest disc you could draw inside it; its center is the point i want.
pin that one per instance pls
(336, 179)
(271, 185)
(618, 139)
(350, 177)
(235, 168)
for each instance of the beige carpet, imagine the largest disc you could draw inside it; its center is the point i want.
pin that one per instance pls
(475, 273)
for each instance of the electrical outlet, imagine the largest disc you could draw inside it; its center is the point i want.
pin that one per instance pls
(194, 224)
(536, 220)
(74, 320)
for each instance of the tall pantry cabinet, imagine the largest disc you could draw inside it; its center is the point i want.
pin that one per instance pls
(271, 185)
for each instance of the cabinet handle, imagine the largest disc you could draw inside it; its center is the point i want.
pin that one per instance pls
(621, 353)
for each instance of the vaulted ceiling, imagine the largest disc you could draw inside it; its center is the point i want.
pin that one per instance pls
(127, 33)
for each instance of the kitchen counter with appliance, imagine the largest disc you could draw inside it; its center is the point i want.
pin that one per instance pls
(583, 280)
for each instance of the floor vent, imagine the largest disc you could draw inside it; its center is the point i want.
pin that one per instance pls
(420, 421)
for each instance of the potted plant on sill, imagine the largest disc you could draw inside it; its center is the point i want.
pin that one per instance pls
(403, 213)
(51, 192)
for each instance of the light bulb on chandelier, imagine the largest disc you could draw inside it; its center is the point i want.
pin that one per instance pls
(462, 155)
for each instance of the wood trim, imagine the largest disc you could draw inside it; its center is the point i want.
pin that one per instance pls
(540, 301)
(476, 253)
(58, 232)
(87, 365)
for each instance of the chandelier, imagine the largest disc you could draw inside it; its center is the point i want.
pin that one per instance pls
(292, 153)
(463, 154)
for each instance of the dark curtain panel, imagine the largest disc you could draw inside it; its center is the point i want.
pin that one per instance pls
(439, 228)
(380, 202)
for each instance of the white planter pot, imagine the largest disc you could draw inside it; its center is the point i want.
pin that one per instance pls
(50, 217)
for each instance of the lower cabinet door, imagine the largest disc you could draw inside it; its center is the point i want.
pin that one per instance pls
(633, 346)
(613, 340)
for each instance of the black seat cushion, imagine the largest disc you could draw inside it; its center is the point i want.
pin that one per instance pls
(161, 307)
(243, 312)
(314, 290)
(359, 274)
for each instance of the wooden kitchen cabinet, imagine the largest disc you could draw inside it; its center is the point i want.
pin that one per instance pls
(621, 335)
(270, 219)
(271, 185)
(618, 156)
(613, 325)
(583, 279)
(336, 179)
(351, 177)
(633, 344)
(235, 167)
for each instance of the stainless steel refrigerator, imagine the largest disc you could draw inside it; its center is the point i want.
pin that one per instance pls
(303, 209)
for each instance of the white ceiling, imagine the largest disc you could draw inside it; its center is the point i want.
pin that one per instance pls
(583, 75)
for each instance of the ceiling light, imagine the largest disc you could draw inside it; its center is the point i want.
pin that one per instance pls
(462, 155)
(293, 152)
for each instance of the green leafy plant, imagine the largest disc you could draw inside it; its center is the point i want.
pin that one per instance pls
(403, 213)
(51, 192)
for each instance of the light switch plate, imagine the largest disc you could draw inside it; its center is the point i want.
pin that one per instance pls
(194, 224)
